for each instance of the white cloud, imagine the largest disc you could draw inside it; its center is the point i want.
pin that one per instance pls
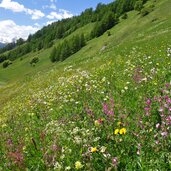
(62, 14)
(52, 6)
(50, 22)
(16, 7)
(13, 6)
(10, 30)
(36, 14)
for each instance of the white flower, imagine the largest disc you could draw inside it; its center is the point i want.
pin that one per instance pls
(126, 88)
(68, 168)
(102, 149)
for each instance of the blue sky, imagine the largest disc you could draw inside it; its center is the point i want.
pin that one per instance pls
(19, 18)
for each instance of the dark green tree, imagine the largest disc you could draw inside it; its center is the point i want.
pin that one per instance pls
(138, 5)
(53, 55)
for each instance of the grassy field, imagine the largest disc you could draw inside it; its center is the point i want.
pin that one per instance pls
(101, 109)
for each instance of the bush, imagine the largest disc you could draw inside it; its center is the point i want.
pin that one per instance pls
(6, 63)
(138, 5)
(108, 33)
(125, 16)
(34, 60)
(144, 12)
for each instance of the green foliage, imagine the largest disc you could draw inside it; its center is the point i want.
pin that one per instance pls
(144, 12)
(67, 48)
(95, 111)
(107, 22)
(53, 55)
(34, 60)
(138, 5)
(6, 63)
(46, 37)
(2, 58)
(125, 16)
(108, 33)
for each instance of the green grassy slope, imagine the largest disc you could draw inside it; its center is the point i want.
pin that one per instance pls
(63, 113)
(22, 68)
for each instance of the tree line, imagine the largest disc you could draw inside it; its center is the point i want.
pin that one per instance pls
(67, 48)
(104, 17)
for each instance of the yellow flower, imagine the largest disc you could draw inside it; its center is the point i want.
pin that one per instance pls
(151, 130)
(4, 125)
(122, 131)
(96, 123)
(78, 165)
(119, 123)
(116, 131)
(93, 149)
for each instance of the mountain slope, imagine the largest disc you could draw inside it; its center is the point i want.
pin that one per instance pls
(2, 45)
(105, 105)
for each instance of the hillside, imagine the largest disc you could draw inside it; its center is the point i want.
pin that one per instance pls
(106, 107)
(2, 45)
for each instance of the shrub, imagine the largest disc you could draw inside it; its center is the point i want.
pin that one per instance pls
(144, 12)
(34, 60)
(138, 5)
(6, 63)
(108, 33)
(125, 16)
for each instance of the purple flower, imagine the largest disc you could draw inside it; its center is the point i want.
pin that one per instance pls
(54, 147)
(105, 108)
(148, 102)
(147, 108)
(164, 134)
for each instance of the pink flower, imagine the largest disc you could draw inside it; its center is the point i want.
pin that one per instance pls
(105, 108)
(115, 161)
(164, 134)
(147, 108)
(110, 112)
(161, 109)
(157, 125)
(169, 100)
(148, 102)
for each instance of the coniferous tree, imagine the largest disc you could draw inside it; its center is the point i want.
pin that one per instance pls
(138, 5)
(53, 55)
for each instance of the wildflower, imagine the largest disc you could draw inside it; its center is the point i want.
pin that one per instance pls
(103, 149)
(122, 131)
(119, 123)
(93, 149)
(157, 125)
(126, 88)
(4, 125)
(116, 131)
(151, 130)
(161, 109)
(68, 168)
(115, 161)
(164, 134)
(148, 102)
(54, 147)
(78, 165)
(96, 123)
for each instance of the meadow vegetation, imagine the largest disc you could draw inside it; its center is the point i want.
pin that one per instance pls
(107, 107)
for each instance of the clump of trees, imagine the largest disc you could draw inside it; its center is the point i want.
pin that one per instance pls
(67, 48)
(107, 22)
(104, 17)
(34, 61)
(6, 63)
(125, 16)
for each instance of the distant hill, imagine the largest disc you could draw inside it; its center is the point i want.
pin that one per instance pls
(2, 45)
